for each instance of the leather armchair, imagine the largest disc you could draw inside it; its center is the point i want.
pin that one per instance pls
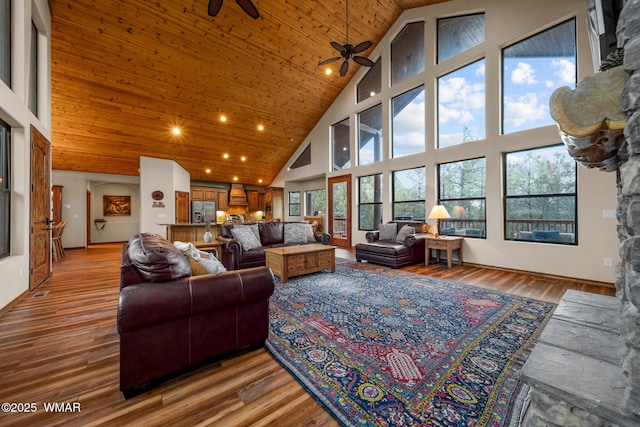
(393, 253)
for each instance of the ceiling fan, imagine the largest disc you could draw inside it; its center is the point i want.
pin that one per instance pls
(348, 51)
(246, 5)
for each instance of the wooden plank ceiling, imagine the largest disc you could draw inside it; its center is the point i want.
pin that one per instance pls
(125, 72)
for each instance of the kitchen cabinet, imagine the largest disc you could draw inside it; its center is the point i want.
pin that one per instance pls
(211, 194)
(222, 199)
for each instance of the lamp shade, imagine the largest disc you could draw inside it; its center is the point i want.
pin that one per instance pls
(439, 212)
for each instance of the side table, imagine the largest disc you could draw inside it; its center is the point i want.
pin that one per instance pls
(448, 243)
(214, 246)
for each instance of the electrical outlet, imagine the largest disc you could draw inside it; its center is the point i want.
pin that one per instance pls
(608, 213)
(608, 262)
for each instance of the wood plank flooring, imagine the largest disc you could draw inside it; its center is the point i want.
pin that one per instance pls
(60, 344)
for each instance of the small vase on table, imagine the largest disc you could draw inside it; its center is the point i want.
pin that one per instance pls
(207, 235)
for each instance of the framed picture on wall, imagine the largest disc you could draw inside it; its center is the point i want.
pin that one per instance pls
(116, 205)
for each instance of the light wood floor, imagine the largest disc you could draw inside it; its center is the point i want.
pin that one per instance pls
(63, 347)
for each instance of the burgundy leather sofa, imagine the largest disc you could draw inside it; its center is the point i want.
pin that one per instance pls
(169, 321)
(272, 235)
(393, 253)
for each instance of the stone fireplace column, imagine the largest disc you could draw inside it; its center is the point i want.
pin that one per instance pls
(628, 281)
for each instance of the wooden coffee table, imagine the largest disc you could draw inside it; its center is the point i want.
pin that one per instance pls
(289, 261)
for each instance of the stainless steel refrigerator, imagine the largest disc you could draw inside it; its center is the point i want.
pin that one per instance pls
(202, 211)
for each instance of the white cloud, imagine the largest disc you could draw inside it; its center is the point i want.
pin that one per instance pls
(480, 70)
(524, 74)
(447, 140)
(446, 114)
(525, 108)
(565, 70)
(449, 90)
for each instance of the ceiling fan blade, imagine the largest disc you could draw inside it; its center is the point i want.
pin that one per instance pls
(328, 61)
(249, 8)
(363, 61)
(362, 46)
(337, 46)
(344, 68)
(214, 7)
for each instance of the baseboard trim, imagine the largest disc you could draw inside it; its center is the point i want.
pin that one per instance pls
(4, 310)
(544, 275)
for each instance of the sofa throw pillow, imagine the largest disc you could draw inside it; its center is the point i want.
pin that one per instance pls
(253, 227)
(388, 231)
(201, 262)
(297, 233)
(404, 232)
(156, 259)
(246, 237)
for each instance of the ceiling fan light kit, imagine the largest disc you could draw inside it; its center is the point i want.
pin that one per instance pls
(349, 51)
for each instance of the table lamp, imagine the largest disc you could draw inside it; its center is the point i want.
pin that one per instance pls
(438, 212)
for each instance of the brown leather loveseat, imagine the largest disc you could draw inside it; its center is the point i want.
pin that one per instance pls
(396, 249)
(238, 255)
(169, 320)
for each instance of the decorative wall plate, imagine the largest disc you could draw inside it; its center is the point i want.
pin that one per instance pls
(157, 195)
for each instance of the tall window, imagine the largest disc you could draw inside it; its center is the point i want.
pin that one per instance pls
(540, 195)
(370, 135)
(459, 33)
(531, 70)
(5, 41)
(294, 203)
(5, 189)
(370, 202)
(315, 201)
(408, 194)
(33, 72)
(340, 144)
(408, 126)
(462, 192)
(371, 83)
(407, 53)
(461, 105)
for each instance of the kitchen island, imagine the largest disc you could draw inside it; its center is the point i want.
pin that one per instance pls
(189, 232)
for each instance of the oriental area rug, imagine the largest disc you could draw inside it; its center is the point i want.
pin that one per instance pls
(382, 347)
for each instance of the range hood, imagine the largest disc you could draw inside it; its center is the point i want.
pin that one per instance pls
(237, 196)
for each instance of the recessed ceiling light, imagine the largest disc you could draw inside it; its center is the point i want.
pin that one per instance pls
(223, 118)
(225, 155)
(260, 127)
(243, 158)
(260, 181)
(372, 93)
(176, 131)
(207, 170)
(328, 71)
(235, 178)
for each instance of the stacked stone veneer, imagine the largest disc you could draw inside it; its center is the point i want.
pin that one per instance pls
(585, 370)
(628, 283)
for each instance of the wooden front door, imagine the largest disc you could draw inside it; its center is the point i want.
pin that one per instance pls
(340, 211)
(40, 237)
(182, 207)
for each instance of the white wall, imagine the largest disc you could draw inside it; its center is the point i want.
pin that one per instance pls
(14, 110)
(74, 206)
(166, 176)
(117, 228)
(302, 186)
(506, 22)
